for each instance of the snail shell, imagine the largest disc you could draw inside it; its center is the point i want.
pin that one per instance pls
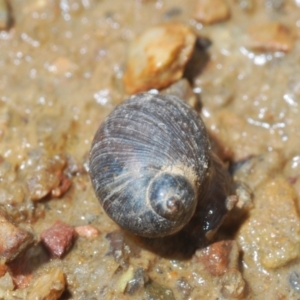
(151, 165)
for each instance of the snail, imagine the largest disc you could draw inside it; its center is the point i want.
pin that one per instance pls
(153, 170)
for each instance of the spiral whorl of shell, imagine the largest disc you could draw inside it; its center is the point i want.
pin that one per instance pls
(150, 148)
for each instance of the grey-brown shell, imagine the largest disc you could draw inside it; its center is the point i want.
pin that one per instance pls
(149, 162)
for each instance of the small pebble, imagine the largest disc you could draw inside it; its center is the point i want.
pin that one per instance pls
(63, 186)
(41, 183)
(272, 37)
(58, 239)
(219, 257)
(233, 285)
(158, 56)
(294, 280)
(13, 240)
(211, 11)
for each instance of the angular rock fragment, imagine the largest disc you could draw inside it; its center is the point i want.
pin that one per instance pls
(13, 240)
(58, 239)
(138, 281)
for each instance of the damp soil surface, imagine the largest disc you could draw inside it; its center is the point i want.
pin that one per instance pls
(62, 70)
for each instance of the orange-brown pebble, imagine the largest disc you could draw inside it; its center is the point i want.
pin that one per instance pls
(211, 11)
(271, 36)
(87, 231)
(219, 257)
(158, 56)
(13, 240)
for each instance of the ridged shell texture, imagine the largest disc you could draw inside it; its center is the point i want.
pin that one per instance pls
(143, 137)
